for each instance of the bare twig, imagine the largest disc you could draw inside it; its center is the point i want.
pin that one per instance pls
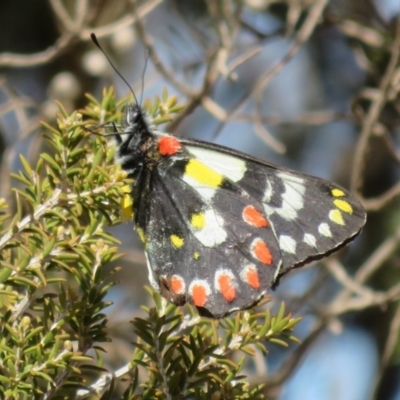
(309, 118)
(242, 59)
(373, 115)
(370, 37)
(63, 16)
(378, 257)
(337, 270)
(303, 35)
(159, 65)
(23, 61)
(379, 202)
(29, 219)
(344, 302)
(72, 36)
(276, 380)
(390, 347)
(307, 28)
(210, 78)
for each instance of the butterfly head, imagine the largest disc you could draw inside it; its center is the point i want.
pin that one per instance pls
(135, 119)
(136, 133)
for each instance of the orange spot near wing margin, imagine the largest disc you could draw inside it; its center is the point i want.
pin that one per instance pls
(177, 285)
(199, 294)
(251, 277)
(253, 217)
(262, 252)
(226, 287)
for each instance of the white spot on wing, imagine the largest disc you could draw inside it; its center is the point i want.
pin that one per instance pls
(228, 166)
(287, 244)
(292, 179)
(292, 197)
(268, 191)
(206, 192)
(324, 230)
(153, 282)
(213, 232)
(309, 239)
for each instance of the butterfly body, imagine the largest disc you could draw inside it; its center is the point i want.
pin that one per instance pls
(219, 227)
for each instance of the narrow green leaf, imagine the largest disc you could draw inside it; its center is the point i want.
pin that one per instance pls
(25, 164)
(51, 162)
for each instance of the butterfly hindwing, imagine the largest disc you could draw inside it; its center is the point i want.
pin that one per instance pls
(311, 217)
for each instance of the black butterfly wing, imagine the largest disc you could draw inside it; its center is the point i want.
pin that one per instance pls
(311, 217)
(200, 251)
(221, 227)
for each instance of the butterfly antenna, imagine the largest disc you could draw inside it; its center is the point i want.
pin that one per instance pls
(143, 73)
(95, 41)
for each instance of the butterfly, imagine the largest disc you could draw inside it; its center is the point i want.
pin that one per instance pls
(219, 227)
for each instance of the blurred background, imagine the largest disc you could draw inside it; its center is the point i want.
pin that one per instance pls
(307, 84)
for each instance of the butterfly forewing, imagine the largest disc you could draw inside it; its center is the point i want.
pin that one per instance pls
(199, 247)
(220, 227)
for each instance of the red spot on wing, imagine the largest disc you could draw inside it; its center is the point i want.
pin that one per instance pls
(177, 284)
(251, 277)
(168, 145)
(226, 287)
(253, 217)
(262, 252)
(199, 294)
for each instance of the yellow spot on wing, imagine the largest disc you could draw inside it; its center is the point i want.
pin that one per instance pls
(141, 234)
(337, 193)
(177, 241)
(196, 255)
(336, 216)
(343, 205)
(127, 203)
(198, 221)
(203, 174)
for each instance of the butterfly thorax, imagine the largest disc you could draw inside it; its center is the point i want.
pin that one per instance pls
(136, 146)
